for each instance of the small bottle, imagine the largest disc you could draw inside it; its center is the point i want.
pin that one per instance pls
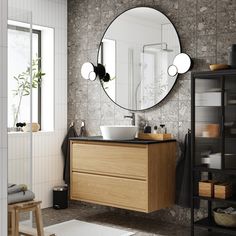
(155, 130)
(82, 129)
(147, 129)
(163, 129)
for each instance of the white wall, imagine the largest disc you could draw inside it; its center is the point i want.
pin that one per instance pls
(47, 158)
(3, 118)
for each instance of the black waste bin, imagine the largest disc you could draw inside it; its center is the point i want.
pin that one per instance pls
(60, 197)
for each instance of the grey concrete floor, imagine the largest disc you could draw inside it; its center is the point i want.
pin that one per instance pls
(105, 216)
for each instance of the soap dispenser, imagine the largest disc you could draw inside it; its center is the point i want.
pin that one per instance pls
(155, 131)
(82, 129)
(163, 129)
(147, 128)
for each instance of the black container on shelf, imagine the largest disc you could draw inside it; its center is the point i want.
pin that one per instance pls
(232, 56)
(60, 197)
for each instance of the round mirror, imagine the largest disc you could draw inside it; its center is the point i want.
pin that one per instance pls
(137, 49)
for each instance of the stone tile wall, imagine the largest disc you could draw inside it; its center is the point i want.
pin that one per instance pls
(206, 30)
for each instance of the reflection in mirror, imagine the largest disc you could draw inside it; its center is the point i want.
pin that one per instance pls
(137, 50)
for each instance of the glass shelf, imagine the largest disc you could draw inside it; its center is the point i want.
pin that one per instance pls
(215, 138)
(231, 200)
(203, 168)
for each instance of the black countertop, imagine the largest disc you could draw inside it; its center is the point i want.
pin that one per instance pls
(135, 141)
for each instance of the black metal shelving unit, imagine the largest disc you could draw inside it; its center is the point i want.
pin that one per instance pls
(222, 82)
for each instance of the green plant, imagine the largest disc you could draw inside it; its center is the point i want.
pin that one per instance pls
(23, 87)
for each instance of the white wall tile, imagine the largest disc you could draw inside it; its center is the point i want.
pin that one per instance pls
(3, 74)
(47, 158)
(3, 121)
(3, 217)
(3, 25)
(3, 173)
(3, 118)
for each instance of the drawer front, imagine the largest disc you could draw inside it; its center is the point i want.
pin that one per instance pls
(124, 161)
(112, 191)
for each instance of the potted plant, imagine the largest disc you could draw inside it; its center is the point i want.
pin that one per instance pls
(23, 87)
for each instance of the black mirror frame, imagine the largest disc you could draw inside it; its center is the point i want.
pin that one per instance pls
(100, 45)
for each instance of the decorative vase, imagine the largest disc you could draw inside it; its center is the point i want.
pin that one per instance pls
(232, 56)
(31, 126)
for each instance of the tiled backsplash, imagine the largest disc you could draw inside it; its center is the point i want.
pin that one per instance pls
(206, 29)
(87, 99)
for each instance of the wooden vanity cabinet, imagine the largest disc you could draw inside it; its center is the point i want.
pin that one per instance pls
(138, 177)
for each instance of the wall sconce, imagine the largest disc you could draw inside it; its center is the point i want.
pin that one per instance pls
(91, 72)
(181, 64)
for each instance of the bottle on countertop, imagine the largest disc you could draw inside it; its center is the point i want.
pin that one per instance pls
(155, 131)
(147, 128)
(163, 129)
(82, 129)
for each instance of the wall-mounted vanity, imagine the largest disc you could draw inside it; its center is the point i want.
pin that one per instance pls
(137, 175)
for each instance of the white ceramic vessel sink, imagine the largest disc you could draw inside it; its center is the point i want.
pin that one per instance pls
(118, 132)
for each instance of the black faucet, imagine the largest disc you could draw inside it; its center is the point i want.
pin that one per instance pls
(132, 117)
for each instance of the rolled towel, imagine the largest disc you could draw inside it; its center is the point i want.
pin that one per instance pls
(13, 188)
(20, 197)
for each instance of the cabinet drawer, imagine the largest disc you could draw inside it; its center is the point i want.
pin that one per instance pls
(107, 190)
(124, 161)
